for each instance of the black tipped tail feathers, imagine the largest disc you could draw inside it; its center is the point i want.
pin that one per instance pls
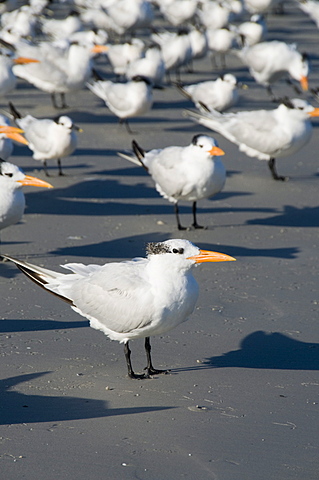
(38, 275)
(139, 153)
(14, 111)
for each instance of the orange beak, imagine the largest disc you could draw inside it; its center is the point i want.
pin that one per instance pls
(216, 151)
(314, 113)
(208, 256)
(36, 182)
(99, 49)
(9, 129)
(17, 138)
(22, 60)
(304, 83)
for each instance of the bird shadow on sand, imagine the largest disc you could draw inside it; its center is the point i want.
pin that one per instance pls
(262, 350)
(109, 197)
(135, 244)
(17, 407)
(30, 325)
(291, 217)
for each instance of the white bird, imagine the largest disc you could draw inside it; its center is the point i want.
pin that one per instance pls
(259, 6)
(48, 139)
(252, 31)
(264, 134)
(178, 12)
(122, 54)
(125, 100)
(8, 79)
(219, 94)
(64, 28)
(151, 66)
(128, 15)
(12, 201)
(131, 299)
(176, 48)
(214, 15)
(184, 173)
(270, 61)
(7, 134)
(220, 41)
(311, 8)
(58, 73)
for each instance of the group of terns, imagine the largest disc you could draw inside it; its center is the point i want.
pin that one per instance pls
(145, 296)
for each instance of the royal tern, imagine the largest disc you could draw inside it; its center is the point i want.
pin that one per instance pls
(259, 6)
(12, 201)
(61, 73)
(184, 173)
(178, 12)
(176, 48)
(311, 8)
(214, 15)
(151, 66)
(48, 139)
(252, 31)
(64, 28)
(218, 94)
(132, 299)
(220, 41)
(8, 79)
(264, 134)
(7, 134)
(125, 100)
(125, 16)
(122, 54)
(270, 61)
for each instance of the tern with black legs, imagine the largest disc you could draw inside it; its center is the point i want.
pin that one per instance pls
(133, 299)
(188, 173)
(48, 138)
(12, 201)
(264, 134)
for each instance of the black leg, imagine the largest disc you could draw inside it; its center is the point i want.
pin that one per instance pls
(45, 168)
(53, 100)
(131, 374)
(63, 101)
(127, 126)
(179, 226)
(195, 224)
(272, 95)
(272, 168)
(60, 167)
(150, 369)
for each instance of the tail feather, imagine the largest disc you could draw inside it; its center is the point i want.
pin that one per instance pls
(139, 152)
(182, 90)
(40, 276)
(14, 111)
(130, 158)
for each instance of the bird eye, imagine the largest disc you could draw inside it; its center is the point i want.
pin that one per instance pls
(9, 175)
(178, 250)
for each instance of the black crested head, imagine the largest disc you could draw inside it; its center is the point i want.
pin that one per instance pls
(140, 78)
(287, 102)
(1, 162)
(195, 139)
(156, 248)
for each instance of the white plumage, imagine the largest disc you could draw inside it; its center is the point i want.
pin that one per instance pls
(12, 201)
(264, 134)
(132, 299)
(219, 94)
(188, 173)
(48, 139)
